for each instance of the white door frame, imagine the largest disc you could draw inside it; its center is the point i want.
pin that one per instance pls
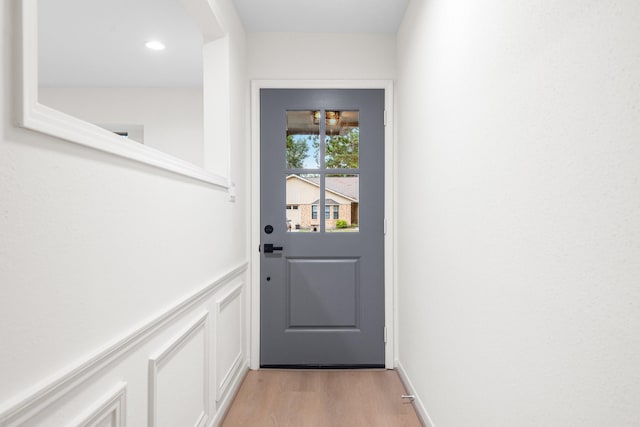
(389, 208)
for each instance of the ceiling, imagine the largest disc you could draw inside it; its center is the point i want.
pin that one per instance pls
(97, 43)
(322, 16)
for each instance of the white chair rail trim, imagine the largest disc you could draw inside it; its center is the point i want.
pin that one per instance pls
(33, 400)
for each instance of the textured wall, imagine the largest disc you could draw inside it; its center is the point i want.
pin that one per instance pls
(519, 211)
(320, 56)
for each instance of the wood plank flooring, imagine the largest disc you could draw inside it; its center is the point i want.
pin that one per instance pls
(327, 398)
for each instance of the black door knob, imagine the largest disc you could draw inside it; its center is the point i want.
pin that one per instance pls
(269, 248)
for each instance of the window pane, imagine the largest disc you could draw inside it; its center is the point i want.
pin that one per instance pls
(342, 140)
(326, 211)
(342, 192)
(303, 139)
(302, 202)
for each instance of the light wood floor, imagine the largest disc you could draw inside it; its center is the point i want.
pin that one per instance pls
(327, 398)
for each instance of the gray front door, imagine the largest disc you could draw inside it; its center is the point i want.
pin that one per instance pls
(322, 227)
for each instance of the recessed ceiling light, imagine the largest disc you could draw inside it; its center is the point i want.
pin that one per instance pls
(155, 45)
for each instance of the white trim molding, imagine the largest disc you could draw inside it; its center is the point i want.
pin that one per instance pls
(223, 384)
(111, 407)
(49, 121)
(29, 403)
(389, 239)
(159, 359)
(418, 405)
(225, 405)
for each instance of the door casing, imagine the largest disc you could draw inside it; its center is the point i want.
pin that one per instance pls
(389, 208)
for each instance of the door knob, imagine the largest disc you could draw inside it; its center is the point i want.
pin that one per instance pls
(269, 248)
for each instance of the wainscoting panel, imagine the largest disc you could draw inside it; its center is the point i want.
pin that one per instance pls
(179, 379)
(164, 370)
(228, 338)
(111, 412)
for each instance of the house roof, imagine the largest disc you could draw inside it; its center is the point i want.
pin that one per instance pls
(327, 202)
(345, 186)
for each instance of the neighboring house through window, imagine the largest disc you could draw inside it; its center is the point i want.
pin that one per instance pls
(340, 201)
(327, 211)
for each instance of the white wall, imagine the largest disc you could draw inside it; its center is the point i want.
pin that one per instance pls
(519, 207)
(172, 117)
(104, 262)
(216, 109)
(320, 56)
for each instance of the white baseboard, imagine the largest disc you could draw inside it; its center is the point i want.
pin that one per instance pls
(424, 417)
(225, 403)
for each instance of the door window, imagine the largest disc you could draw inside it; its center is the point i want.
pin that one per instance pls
(342, 140)
(302, 202)
(342, 192)
(322, 152)
(303, 138)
